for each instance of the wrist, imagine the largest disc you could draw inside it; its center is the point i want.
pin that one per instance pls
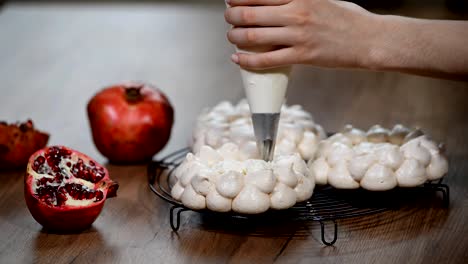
(392, 44)
(375, 53)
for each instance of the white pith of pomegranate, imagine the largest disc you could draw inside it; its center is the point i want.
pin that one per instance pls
(65, 189)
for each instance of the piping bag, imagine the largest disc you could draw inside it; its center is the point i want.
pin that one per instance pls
(266, 93)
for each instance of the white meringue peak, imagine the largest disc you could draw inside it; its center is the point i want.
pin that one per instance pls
(378, 159)
(225, 122)
(220, 180)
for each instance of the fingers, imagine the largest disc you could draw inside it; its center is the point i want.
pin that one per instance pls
(256, 2)
(262, 36)
(259, 61)
(265, 16)
(271, 18)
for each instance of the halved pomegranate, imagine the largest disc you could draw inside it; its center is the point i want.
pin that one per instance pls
(17, 143)
(65, 190)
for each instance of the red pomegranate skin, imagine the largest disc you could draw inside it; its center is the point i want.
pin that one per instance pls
(62, 219)
(18, 142)
(130, 122)
(66, 218)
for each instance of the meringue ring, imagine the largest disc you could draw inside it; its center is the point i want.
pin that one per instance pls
(297, 131)
(220, 180)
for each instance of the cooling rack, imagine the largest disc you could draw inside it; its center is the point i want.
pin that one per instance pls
(326, 206)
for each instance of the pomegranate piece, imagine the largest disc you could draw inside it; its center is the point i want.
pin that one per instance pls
(65, 190)
(130, 122)
(17, 142)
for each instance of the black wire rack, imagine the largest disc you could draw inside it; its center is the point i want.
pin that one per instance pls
(326, 206)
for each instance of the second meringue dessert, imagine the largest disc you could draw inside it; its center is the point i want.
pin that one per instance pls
(379, 159)
(220, 180)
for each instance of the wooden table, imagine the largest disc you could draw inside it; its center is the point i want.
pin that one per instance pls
(54, 57)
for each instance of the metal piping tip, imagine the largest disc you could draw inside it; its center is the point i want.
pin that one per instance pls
(266, 149)
(265, 128)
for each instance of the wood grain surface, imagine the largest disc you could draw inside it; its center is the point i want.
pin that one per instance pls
(55, 56)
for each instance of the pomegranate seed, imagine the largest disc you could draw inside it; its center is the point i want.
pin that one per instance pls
(54, 155)
(99, 196)
(44, 181)
(59, 176)
(68, 187)
(78, 192)
(82, 171)
(38, 162)
(61, 197)
(47, 194)
(90, 195)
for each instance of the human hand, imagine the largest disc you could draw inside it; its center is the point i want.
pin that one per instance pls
(318, 32)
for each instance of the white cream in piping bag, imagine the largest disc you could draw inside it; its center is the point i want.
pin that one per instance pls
(265, 89)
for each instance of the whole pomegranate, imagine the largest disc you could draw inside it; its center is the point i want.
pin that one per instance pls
(65, 190)
(130, 122)
(17, 143)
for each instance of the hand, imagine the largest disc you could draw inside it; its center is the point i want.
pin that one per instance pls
(318, 32)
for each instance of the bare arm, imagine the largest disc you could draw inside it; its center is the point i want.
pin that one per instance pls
(341, 34)
(437, 48)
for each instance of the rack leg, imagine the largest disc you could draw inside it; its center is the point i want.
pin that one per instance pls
(335, 233)
(445, 190)
(175, 213)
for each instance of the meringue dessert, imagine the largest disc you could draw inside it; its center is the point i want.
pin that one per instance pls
(222, 180)
(379, 159)
(297, 131)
